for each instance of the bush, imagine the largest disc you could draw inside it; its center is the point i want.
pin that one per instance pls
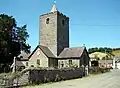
(95, 70)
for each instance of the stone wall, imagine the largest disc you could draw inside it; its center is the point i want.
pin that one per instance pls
(42, 57)
(48, 32)
(96, 70)
(62, 32)
(47, 75)
(65, 63)
(55, 33)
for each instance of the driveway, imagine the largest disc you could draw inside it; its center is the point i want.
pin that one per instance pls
(106, 80)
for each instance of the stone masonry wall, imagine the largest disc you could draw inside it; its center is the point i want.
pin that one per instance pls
(42, 57)
(48, 32)
(62, 32)
(65, 62)
(55, 33)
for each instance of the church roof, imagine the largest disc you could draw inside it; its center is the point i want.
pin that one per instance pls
(45, 50)
(74, 52)
(54, 9)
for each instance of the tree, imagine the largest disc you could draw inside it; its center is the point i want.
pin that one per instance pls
(12, 39)
(23, 35)
(101, 49)
(91, 50)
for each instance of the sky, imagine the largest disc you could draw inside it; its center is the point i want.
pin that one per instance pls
(95, 23)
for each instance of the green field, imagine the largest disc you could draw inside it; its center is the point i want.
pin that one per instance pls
(116, 52)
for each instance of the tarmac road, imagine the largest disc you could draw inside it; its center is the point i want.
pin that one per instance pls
(106, 80)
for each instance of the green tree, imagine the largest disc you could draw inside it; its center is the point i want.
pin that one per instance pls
(12, 39)
(23, 35)
(92, 50)
(101, 50)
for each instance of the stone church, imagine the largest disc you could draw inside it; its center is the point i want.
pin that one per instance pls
(53, 49)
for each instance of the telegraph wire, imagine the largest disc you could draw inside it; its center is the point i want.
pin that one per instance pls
(71, 24)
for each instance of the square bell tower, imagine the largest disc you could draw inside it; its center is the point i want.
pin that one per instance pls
(54, 31)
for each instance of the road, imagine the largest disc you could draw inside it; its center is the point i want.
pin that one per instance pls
(106, 80)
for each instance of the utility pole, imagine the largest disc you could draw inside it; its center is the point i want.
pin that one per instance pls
(105, 59)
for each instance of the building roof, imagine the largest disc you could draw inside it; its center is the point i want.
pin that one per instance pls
(45, 50)
(74, 52)
(105, 61)
(23, 56)
(54, 9)
(20, 63)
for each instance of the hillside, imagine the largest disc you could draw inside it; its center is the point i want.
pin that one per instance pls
(116, 52)
(99, 55)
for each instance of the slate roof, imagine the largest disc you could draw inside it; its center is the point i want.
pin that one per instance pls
(74, 52)
(23, 56)
(45, 50)
(19, 63)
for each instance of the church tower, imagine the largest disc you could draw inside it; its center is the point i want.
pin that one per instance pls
(54, 31)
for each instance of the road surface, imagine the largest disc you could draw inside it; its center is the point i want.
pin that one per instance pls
(106, 80)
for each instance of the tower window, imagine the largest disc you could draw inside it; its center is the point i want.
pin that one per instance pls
(47, 21)
(63, 22)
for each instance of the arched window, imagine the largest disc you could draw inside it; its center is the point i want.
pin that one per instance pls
(47, 21)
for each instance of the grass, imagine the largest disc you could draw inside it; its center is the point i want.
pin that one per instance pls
(40, 84)
(116, 52)
(94, 74)
(3, 75)
(8, 75)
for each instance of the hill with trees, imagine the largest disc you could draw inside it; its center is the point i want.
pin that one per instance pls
(101, 49)
(105, 50)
